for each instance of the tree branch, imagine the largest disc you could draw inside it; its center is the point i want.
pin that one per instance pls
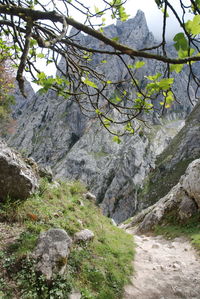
(55, 17)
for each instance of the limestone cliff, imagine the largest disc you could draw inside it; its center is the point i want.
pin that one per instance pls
(182, 201)
(56, 133)
(173, 161)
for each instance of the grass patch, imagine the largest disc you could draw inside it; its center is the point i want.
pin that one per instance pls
(98, 269)
(189, 229)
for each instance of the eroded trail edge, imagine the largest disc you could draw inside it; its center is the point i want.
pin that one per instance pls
(164, 269)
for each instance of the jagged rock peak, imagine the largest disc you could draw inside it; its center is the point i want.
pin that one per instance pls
(138, 20)
(121, 28)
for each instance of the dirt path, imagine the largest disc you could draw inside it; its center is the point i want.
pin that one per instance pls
(164, 269)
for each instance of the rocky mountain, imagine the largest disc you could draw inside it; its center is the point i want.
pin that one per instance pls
(55, 133)
(173, 161)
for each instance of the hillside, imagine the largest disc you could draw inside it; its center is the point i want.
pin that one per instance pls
(97, 268)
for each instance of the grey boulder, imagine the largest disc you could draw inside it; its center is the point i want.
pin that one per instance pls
(51, 252)
(84, 235)
(191, 181)
(18, 179)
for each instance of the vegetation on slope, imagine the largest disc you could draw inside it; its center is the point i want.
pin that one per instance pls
(171, 228)
(98, 269)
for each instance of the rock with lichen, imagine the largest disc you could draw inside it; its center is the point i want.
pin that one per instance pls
(51, 252)
(18, 179)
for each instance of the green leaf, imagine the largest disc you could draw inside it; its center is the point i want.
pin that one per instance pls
(194, 26)
(98, 111)
(107, 123)
(89, 83)
(97, 11)
(155, 77)
(122, 14)
(166, 83)
(129, 128)
(159, 3)
(176, 68)
(116, 139)
(115, 99)
(139, 64)
(116, 38)
(48, 61)
(186, 53)
(41, 55)
(103, 61)
(32, 52)
(169, 99)
(33, 42)
(181, 42)
(41, 76)
(167, 15)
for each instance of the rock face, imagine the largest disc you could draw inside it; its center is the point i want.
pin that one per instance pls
(183, 201)
(17, 178)
(173, 161)
(55, 132)
(51, 252)
(191, 181)
(20, 101)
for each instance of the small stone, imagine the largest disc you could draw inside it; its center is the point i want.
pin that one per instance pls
(84, 235)
(155, 246)
(179, 293)
(113, 222)
(80, 221)
(90, 196)
(171, 246)
(46, 172)
(176, 266)
(75, 295)
(80, 203)
(54, 185)
(56, 215)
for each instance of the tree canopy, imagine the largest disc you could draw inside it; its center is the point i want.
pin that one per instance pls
(30, 26)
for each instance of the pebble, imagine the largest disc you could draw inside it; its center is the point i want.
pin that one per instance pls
(155, 246)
